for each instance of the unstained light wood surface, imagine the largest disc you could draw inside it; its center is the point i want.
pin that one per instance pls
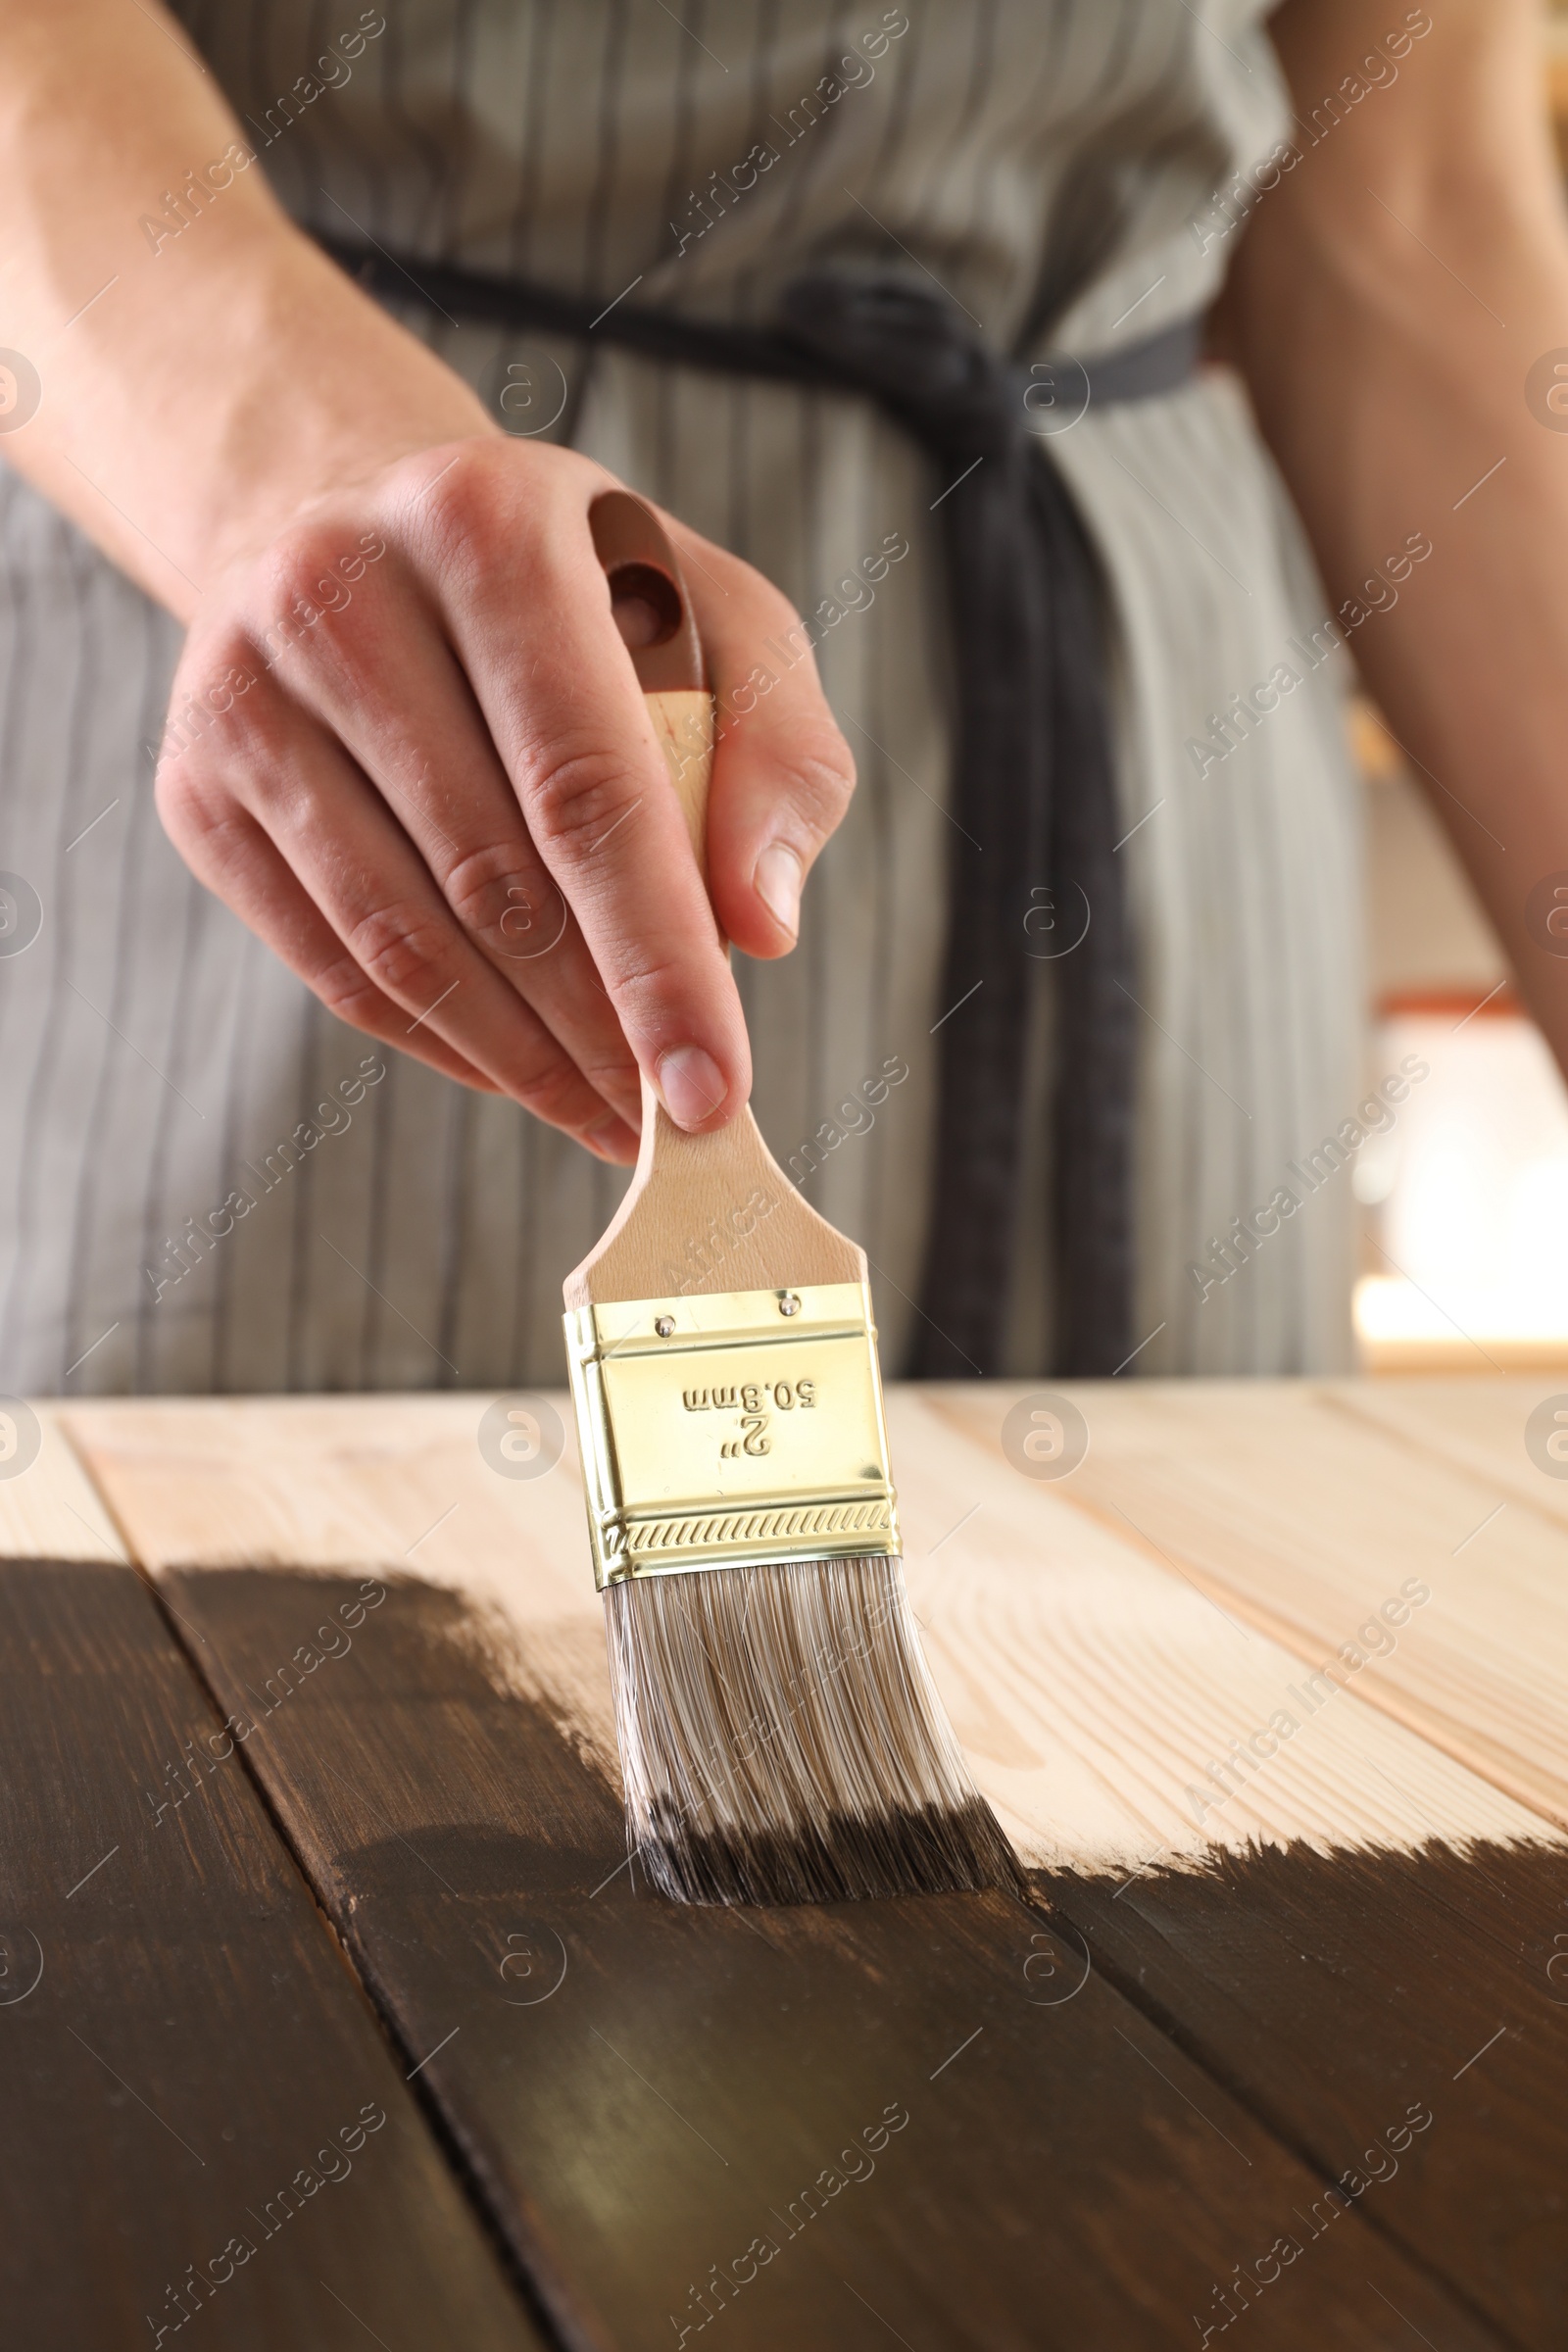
(1476, 1425)
(50, 1509)
(1303, 1509)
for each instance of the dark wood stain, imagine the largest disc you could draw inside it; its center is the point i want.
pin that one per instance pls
(194, 2043)
(833, 2127)
(1327, 1992)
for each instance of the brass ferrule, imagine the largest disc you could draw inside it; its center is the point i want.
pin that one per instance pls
(744, 1425)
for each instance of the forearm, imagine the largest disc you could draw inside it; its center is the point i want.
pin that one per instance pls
(1388, 303)
(218, 379)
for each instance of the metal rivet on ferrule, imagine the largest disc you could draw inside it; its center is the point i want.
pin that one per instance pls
(789, 1304)
(664, 1325)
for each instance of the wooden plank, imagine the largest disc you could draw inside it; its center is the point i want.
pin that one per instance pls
(1333, 1992)
(198, 2105)
(1479, 1425)
(1091, 1685)
(1115, 1713)
(1304, 1518)
(49, 1507)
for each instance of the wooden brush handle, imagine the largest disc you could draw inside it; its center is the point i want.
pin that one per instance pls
(704, 1212)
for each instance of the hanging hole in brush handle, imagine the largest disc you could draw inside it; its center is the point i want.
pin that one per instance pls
(654, 614)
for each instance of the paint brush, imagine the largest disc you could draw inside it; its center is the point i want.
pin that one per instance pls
(781, 1740)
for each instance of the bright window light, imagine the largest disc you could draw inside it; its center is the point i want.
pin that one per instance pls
(1468, 1194)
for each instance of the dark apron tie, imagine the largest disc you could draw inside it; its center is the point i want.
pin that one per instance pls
(1034, 788)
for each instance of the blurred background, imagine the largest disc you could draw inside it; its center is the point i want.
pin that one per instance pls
(1464, 1206)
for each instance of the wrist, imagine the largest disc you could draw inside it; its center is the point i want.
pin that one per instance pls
(249, 381)
(321, 390)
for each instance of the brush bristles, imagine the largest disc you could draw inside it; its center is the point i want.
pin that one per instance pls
(782, 1741)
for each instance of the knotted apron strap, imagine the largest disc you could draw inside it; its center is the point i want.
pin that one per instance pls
(1034, 786)
(1009, 581)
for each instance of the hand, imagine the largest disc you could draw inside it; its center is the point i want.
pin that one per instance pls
(408, 748)
(407, 745)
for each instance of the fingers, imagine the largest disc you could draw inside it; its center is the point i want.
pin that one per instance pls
(303, 852)
(384, 682)
(434, 788)
(239, 865)
(782, 772)
(530, 623)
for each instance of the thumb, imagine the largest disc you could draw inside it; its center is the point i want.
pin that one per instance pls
(782, 772)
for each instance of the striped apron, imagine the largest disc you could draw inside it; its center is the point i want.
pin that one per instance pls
(1071, 177)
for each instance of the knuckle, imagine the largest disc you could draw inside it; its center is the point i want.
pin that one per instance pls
(344, 989)
(266, 741)
(609, 1075)
(502, 490)
(470, 884)
(817, 775)
(555, 1093)
(461, 501)
(299, 581)
(297, 560)
(213, 706)
(648, 988)
(487, 512)
(576, 795)
(200, 815)
(185, 799)
(402, 946)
